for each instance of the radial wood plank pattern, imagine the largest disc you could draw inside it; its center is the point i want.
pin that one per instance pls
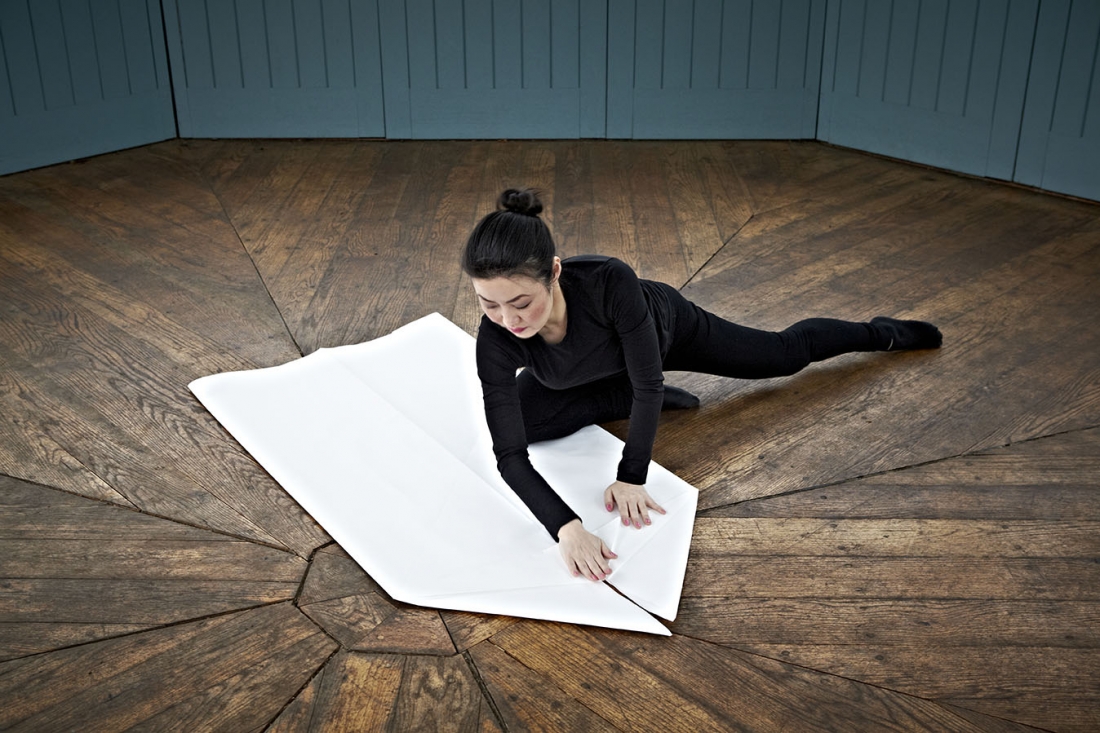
(869, 555)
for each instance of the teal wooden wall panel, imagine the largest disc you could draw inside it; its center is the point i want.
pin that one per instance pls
(79, 78)
(276, 68)
(714, 68)
(934, 82)
(494, 68)
(1060, 133)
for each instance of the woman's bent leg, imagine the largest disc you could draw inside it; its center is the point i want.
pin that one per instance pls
(555, 413)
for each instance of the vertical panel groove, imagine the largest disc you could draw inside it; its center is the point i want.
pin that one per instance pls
(37, 55)
(748, 46)
(859, 61)
(183, 48)
(125, 53)
(550, 30)
(152, 48)
(324, 45)
(240, 53)
(664, 27)
(1092, 80)
(7, 74)
(492, 44)
(806, 63)
(970, 59)
(836, 45)
(465, 67)
(68, 58)
(913, 57)
(1000, 65)
(1061, 65)
(691, 45)
(435, 42)
(522, 69)
(267, 48)
(778, 46)
(210, 44)
(721, 38)
(943, 51)
(351, 35)
(889, 40)
(579, 59)
(294, 33)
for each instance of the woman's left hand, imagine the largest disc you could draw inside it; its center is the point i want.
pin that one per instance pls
(633, 502)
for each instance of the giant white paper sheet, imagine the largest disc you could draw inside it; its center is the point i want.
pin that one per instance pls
(384, 443)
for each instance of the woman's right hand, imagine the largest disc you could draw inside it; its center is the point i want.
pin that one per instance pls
(584, 553)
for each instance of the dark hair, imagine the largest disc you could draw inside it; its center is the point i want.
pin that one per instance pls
(512, 240)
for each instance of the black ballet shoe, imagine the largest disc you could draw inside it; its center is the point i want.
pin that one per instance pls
(678, 399)
(904, 335)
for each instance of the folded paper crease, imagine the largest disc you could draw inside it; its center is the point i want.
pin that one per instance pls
(384, 443)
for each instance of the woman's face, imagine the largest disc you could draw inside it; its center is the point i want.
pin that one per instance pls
(519, 303)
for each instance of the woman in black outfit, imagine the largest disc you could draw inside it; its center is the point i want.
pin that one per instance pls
(594, 342)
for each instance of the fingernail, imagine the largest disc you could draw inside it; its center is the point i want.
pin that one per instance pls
(626, 522)
(647, 521)
(610, 507)
(637, 524)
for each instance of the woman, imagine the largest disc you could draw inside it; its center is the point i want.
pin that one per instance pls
(594, 341)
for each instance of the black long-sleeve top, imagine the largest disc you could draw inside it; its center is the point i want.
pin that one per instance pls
(610, 330)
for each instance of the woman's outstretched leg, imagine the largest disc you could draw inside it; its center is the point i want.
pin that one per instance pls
(712, 345)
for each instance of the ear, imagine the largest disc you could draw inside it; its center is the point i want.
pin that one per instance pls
(555, 271)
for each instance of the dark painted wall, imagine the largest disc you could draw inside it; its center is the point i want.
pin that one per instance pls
(1000, 88)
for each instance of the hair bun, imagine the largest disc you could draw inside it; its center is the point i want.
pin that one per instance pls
(520, 201)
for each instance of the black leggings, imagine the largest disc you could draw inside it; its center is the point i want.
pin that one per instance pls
(700, 342)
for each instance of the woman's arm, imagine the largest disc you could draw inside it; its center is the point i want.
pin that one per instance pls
(629, 313)
(496, 366)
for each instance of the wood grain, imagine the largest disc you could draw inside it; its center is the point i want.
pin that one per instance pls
(885, 542)
(251, 663)
(961, 578)
(340, 597)
(528, 700)
(75, 570)
(680, 683)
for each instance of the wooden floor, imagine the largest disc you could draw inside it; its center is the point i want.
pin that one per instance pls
(885, 542)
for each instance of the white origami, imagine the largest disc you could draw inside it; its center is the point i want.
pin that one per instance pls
(385, 444)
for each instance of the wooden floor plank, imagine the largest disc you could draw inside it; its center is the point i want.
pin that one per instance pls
(147, 401)
(1052, 478)
(121, 460)
(340, 597)
(87, 570)
(135, 220)
(528, 700)
(892, 577)
(1006, 597)
(889, 621)
(149, 318)
(900, 537)
(680, 683)
(1054, 689)
(437, 693)
(380, 692)
(470, 629)
(967, 578)
(765, 438)
(356, 692)
(231, 672)
(297, 715)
